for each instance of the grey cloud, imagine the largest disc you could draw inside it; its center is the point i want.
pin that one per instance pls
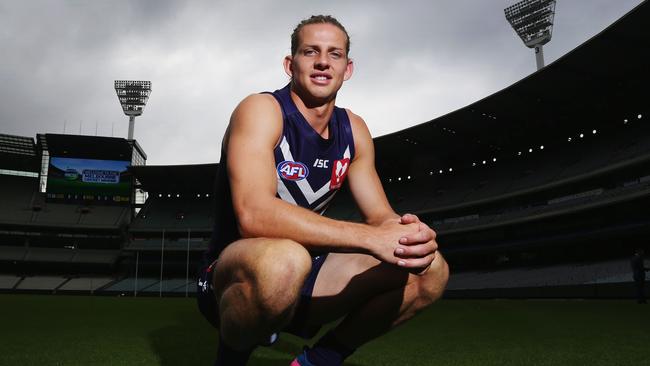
(415, 60)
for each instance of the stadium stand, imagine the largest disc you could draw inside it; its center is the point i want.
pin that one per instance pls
(88, 284)
(8, 282)
(49, 283)
(547, 171)
(129, 284)
(558, 275)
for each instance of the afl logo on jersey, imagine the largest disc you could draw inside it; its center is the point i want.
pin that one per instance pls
(293, 170)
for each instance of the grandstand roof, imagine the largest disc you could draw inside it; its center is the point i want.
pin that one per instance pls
(18, 153)
(89, 147)
(609, 71)
(195, 179)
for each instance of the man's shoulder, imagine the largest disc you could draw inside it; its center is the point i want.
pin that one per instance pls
(259, 101)
(256, 108)
(359, 127)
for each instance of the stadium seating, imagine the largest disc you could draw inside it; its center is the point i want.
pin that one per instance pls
(616, 271)
(8, 282)
(95, 256)
(128, 284)
(41, 283)
(170, 244)
(89, 284)
(517, 176)
(17, 196)
(172, 285)
(177, 214)
(605, 197)
(12, 253)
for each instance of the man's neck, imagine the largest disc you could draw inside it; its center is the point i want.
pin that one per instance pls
(317, 114)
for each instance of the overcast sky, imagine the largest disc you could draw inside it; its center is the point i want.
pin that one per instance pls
(415, 60)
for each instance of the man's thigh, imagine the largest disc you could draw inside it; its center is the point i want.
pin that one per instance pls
(346, 281)
(258, 261)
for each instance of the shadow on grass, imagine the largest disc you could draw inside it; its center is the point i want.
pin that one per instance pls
(194, 342)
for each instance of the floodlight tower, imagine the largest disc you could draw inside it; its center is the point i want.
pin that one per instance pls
(533, 22)
(133, 96)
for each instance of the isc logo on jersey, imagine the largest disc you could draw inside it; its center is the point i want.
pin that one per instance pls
(293, 170)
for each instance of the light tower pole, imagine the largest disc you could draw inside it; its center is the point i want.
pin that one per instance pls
(133, 96)
(533, 22)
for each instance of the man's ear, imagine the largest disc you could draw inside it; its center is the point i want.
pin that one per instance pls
(348, 70)
(288, 65)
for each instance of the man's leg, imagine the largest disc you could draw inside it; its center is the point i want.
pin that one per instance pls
(257, 285)
(374, 297)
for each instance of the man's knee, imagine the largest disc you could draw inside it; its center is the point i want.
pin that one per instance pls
(432, 284)
(279, 276)
(263, 291)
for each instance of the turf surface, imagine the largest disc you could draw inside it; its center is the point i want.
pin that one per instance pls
(72, 330)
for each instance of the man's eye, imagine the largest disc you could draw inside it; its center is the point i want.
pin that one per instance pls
(310, 52)
(336, 55)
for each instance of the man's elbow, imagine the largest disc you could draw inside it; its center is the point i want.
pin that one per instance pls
(248, 224)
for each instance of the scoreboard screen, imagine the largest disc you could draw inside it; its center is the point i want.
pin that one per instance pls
(89, 180)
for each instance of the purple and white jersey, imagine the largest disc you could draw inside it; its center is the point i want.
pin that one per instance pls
(311, 169)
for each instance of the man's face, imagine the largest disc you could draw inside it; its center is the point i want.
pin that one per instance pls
(320, 64)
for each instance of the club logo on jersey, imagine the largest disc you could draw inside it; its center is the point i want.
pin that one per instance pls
(339, 172)
(293, 170)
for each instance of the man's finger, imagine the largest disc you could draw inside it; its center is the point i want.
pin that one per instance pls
(409, 219)
(421, 236)
(416, 262)
(416, 251)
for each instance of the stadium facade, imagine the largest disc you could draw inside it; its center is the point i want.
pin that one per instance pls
(539, 190)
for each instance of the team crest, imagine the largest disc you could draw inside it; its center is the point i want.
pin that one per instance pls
(339, 172)
(293, 170)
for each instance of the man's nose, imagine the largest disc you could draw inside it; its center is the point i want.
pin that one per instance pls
(322, 62)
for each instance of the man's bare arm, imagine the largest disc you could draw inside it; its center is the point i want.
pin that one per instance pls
(417, 248)
(255, 128)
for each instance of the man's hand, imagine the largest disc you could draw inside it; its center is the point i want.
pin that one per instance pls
(419, 247)
(385, 239)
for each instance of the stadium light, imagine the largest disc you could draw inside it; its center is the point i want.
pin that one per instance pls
(133, 96)
(533, 22)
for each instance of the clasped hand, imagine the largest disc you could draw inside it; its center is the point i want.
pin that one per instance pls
(408, 243)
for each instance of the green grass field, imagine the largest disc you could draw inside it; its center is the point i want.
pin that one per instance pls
(75, 330)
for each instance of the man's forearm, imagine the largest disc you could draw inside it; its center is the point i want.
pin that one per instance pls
(278, 219)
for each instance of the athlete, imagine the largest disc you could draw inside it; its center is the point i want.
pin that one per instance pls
(275, 264)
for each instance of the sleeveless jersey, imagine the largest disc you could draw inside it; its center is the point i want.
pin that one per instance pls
(309, 169)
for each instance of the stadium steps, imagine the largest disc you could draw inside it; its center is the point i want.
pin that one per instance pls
(9, 282)
(617, 271)
(536, 213)
(41, 283)
(86, 284)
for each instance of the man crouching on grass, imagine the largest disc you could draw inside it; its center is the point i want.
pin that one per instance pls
(274, 263)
